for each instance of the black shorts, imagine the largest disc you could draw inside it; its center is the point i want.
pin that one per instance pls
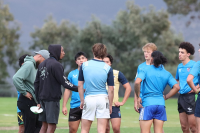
(186, 103)
(75, 114)
(51, 110)
(115, 112)
(20, 118)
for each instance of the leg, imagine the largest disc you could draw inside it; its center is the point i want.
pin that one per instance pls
(198, 124)
(73, 126)
(38, 124)
(101, 125)
(108, 126)
(44, 127)
(28, 116)
(192, 123)
(158, 126)
(85, 126)
(184, 122)
(145, 125)
(51, 128)
(21, 128)
(116, 122)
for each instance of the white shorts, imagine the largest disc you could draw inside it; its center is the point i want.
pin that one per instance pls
(96, 105)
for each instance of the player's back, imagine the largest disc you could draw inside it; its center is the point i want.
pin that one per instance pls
(156, 79)
(95, 76)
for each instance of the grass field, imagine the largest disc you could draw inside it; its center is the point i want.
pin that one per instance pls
(130, 123)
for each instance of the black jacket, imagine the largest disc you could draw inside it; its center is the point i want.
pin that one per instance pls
(50, 76)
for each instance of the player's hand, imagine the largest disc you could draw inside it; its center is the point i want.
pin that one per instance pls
(64, 111)
(81, 105)
(38, 105)
(119, 104)
(192, 91)
(139, 105)
(110, 108)
(28, 95)
(135, 106)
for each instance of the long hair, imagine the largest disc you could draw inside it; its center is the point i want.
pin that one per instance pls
(158, 58)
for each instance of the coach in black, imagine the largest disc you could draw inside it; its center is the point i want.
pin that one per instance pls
(50, 77)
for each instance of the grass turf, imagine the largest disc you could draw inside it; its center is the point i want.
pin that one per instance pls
(129, 124)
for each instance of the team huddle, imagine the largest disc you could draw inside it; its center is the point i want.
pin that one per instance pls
(95, 87)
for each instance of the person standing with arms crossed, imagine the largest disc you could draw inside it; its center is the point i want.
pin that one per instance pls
(98, 101)
(115, 116)
(75, 112)
(186, 99)
(195, 73)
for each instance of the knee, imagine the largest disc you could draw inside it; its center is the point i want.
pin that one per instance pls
(116, 129)
(107, 129)
(72, 130)
(184, 127)
(193, 128)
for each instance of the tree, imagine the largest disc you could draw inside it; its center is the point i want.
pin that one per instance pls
(9, 44)
(133, 28)
(124, 38)
(65, 34)
(184, 7)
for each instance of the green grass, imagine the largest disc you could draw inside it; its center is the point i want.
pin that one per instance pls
(130, 123)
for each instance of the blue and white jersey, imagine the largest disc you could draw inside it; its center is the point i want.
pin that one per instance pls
(75, 98)
(196, 71)
(96, 73)
(18, 110)
(140, 67)
(155, 80)
(182, 74)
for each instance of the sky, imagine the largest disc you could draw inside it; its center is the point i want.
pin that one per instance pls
(32, 13)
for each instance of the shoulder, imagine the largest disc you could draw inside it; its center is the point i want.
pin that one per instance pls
(142, 65)
(180, 65)
(115, 71)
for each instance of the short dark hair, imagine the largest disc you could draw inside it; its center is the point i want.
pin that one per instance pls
(79, 54)
(110, 58)
(21, 59)
(99, 50)
(188, 47)
(158, 58)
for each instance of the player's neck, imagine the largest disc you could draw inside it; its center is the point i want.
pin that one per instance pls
(78, 67)
(148, 62)
(97, 58)
(185, 61)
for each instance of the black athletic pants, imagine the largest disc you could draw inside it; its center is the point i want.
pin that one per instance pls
(31, 123)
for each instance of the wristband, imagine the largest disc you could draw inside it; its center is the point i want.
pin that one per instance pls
(197, 92)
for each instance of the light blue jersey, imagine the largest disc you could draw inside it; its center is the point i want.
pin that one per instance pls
(140, 67)
(18, 110)
(155, 80)
(75, 98)
(196, 71)
(182, 74)
(96, 73)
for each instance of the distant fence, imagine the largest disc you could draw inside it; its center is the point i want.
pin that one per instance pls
(7, 90)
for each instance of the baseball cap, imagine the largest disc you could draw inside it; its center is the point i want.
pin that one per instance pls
(44, 53)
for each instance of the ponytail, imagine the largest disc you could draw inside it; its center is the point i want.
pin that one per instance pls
(158, 58)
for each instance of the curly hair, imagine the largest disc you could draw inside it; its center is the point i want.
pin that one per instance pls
(188, 47)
